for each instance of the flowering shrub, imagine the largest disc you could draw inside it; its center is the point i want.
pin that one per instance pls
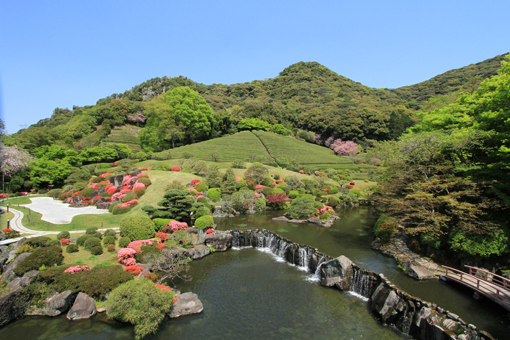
(126, 256)
(173, 226)
(110, 248)
(162, 287)
(151, 276)
(64, 242)
(162, 236)
(134, 269)
(87, 201)
(93, 186)
(104, 182)
(324, 209)
(6, 230)
(259, 187)
(301, 171)
(76, 269)
(116, 164)
(105, 174)
(126, 179)
(208, 231)
(350, 186)
(137, 245)
(352, 183)
(111, 190)
(176, 168)
(193, 181)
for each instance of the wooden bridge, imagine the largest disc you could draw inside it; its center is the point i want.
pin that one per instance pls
(490, 285)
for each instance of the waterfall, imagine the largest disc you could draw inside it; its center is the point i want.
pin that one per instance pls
(361, 284)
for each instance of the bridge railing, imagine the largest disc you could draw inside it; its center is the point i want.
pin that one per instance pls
(480, 283)
(491, 277)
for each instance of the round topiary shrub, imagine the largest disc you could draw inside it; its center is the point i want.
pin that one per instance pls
(108, 240)
(91, 231)
(72, 248)
(204, 222)
(144, 180)
(293, 194)
(214, 194)
(267, 191)
(119, 209)
(333, 201)
(137, 227)
(98, 235)
(160, 223)
(81, 240)
(37, 242)
(63, 234)
(52, 243)
(124, 242)
(110, 232)
(47, 256)
(202, 187)
(129, 197)
(92, 242)
(97, 250)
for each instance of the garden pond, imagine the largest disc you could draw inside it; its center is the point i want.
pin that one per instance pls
(253, 294)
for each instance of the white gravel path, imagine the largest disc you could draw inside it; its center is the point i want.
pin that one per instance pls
(56, 212)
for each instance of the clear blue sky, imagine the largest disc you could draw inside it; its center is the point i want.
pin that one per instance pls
(63, 53)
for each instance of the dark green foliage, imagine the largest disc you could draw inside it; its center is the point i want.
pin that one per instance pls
(175, 205)
(144, 180)
(137, 227)
(202, 187)
(110, 232)
(146, 251)
(98, 235)
(118, 209)
(160, 223)
(37, 242)
(90, 231)
(96, 282)
(333, 201)
(267, 191)
(97, 250)
(85, 193)
(63, 234)
(55, 193)
(199, 209)
(52, 243)
(124, 241)
(35, 294)
(129, 197)
(303, 207)
(238, 164)
(112, 206)
(204, 222)
(72, 248)
(108, 240)
(47, 256)
(81, 240)
(92, 242)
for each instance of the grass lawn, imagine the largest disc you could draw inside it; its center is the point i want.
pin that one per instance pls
(85, 257)
(3, 219)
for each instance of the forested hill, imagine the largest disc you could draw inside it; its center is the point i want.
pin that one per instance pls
(465, 79)
(305, 96)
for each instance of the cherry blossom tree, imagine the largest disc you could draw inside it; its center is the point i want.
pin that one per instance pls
(13, 159)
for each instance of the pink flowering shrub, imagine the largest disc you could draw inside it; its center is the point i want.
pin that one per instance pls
(173, 226)
(76, 269)
(259, 187)
(324, 209)
(137, 245)
(126, 256)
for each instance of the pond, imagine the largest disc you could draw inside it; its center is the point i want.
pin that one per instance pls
(253, 294)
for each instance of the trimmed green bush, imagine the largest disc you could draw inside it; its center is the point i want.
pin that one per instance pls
(110, 232)
(214, 194)
(72, 248)
(267, 191)
(81, 240)
(293, 194)
(85, 193)
(355, 192)
(160, 223)
(278, 191)
(146, 251)
(63, 234)
(47, 256)
(124, 242)
(119, 210)
(91, 231)
(202, 187)
(130, 196)
(37, 242)
(333, 201)
(92, 242)
(204, 222)
(137, 227)
(112, 206)
(108, 240)
(98, 235)
(52, 243)
(97, 250)
(144, 180)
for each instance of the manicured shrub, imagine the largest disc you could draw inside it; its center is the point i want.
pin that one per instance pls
(355, 192)
(85, 193)
(37, 242)
(98, 235)
(143, 256)
(137, 227)
(108, 240)
(124, 241)
(119, 209)
(97, 250)
(47, 256)
(302, 207)
(134, 269)
(63, 234)
(110, 248)
(293, 194)
(81, 240)
(129, 197)
(91, 243)
(202, 187)
(92, 282)
(204, 222)
(214, 194)
(54, 243)
(91, 231)
(144, 180)
(110, 232)
(333, 201)
(112, 206)
(284, 187)
(25, 248)
(160, 223)
(141, 303)
(72, 248)
(277, 191)
(267, 191)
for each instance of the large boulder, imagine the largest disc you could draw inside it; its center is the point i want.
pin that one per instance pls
(199, 251)
(418, 272)
(116, 180)
(8, 308)
(337, 272)
(104, 205)
(187, 304)
(83, 308)
(9, 269)
(280, 219)
(220, 241)
(315, 220)
(383, 301)
(55, 305)
(197, 235)
(98, 192)
(28, 277)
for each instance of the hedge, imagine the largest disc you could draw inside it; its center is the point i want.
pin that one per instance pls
(81, 240)
(204, 222)
(47, 256)
(137, 227)
(63, 234)
(72, 248)
(214, 194)
(92, 242)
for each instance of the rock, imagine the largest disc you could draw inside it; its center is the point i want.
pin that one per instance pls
(197, 235)
(55, 305)
(101, 309)
(83, 308)
(79, 205)
(335, 217)
(295, 221)
(327, 225)
(231, 215)
(136, 172)
(9, 269)
(280, 219)
(15, 283)
(132, 181)
(383, 301)
(187, 304)
(418, 272)
(220, 241)
(199, 251)
(452, 316)
(337, 272)
(449, 323)
(28, 277)
(250, 212)
(73, 239)
(104, 205)
(423, 314)
(315, 220)
(98, 192)
(376, 244)
(12, 255)
(117, 180)
(8, 310)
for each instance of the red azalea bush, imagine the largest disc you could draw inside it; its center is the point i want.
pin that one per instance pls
(162, 236)
(209, 231)
(87, 201)
(3, 196)
(162, 287)
(64, 242)
(134, 269)
(350, 186)
(6, 230)
(116, 164)
(110, 248)
(151, 276)
(176, 168)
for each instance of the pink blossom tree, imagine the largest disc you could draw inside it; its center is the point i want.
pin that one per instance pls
(13, 159)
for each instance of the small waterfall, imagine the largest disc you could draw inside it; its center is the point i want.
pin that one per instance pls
(235, 239)
(304, 254)
(260, 241)
(361, 284)
(317, 275)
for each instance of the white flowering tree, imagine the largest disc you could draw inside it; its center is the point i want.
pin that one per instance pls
(13, 160)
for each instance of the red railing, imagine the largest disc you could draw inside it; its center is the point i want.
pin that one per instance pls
(491, 277)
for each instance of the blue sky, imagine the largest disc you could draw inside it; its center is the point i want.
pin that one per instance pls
(64, 53)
